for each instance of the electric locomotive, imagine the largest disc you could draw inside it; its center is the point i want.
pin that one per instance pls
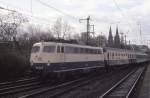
(52, 57)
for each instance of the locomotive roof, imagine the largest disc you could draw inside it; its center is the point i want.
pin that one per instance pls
(67, 44)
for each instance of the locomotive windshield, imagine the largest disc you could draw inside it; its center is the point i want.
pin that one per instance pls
(49, 49)
(35, 49)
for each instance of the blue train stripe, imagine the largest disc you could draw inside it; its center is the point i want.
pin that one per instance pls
(67, 66)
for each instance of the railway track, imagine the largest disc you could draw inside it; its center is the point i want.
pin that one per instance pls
(31, 88)
(18, 86)
(56, 91)
(21, 81)
(124, 88)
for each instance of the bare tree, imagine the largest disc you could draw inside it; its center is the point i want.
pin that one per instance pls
(9, 24)
(66, 30)
(57, 28)
(61, 29)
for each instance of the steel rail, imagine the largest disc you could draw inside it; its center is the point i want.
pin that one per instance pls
(68, 85)
(17, 81)
(51, 88)
(20, 88)
(117, 84)
(136, 81)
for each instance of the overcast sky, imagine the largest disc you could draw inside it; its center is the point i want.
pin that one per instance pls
(128, 14)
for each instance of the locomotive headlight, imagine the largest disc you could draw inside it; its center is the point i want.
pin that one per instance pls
(31, 63)
(48, 64)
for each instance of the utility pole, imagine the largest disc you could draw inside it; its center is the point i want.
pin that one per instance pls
(87, 28)
(125, 40)
(31, 6)
(122, 40)
(140, 31)
(93, 30)
(141, 34)
(129, 42)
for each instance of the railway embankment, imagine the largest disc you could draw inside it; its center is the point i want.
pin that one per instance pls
(144, 91)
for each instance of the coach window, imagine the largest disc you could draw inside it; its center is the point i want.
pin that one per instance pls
(81, 50)
(112, 54)
(90, 51)
(49, 49)
(108, 56)
(130, 55)
(94, 51)
(99, 52)
(78, 50)
(86, 50)
(75, 50)
(68, 49)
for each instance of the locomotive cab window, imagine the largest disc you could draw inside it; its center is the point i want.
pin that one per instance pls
(35, 49)
(49, 49)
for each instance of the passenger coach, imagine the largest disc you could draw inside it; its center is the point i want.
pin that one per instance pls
(117, 57)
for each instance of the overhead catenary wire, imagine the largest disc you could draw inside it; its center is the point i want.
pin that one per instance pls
(7, 9)
(26, 13)
(62, 12)
(122, 13)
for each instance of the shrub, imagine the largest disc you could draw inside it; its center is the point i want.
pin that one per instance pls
(13, 64)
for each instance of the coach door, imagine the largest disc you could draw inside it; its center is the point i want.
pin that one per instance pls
(62, 54)
(106, 58)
